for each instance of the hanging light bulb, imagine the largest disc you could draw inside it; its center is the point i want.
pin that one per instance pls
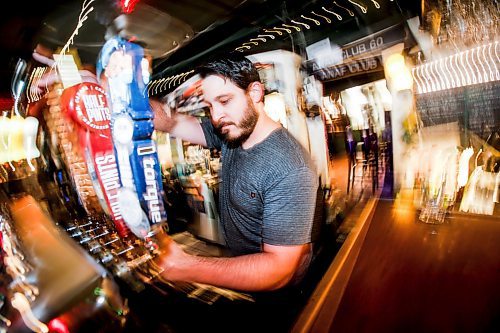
(287, 30)
(311, 19)
(363, 8)
(307, 26)
(291, 26)
(350, 12)
(376, 4)
(339, 17)
(324, 17)
(273, 31)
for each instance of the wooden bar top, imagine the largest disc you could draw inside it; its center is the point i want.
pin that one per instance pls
(408, 276)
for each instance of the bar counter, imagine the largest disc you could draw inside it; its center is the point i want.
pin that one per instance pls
(398, 274)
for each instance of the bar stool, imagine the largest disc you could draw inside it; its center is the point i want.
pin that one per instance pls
(356, 156)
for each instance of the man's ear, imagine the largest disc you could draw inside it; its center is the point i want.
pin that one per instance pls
(256, 91)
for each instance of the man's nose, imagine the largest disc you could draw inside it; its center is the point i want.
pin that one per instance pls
(216, 113)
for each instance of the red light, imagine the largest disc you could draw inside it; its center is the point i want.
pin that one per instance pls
(6, 103)
(56, 325)
(128, 6)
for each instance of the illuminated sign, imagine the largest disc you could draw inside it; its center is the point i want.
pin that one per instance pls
(356, 67)
(375, 42)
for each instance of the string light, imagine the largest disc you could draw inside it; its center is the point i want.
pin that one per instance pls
(187, 74)
(38, 78)
(473, 75)
(416, 78)
(260, 38)
(324, 17)
(311, 19)
(163, 85)
(496, 54)
(468, 67)
(436, 76)
(182, 76)
(173, 80)
(376, 4)
(451, 71)
(463, 81)
(363, 8)
(307, 26)
(287, 30)
(299, 25)
(495, 74)
(84, 15)
(428, 87)
(467, 74)
(168, 82)
(273, 31)
(488, 76)
(481, 74)
(339, 17)
(270, 36)
(242, 47)
(446, 76)
(29, 93)
(160, 85)
(350, 12)
(291, 26)
(441, 75)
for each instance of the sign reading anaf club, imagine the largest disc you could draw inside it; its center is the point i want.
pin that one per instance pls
(89, 106)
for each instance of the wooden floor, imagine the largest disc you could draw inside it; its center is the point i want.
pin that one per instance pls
(409, 276)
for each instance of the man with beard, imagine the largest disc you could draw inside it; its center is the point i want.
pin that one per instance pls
(268, 191)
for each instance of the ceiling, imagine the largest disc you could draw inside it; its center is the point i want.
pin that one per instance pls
(162, 25)
(176, 33)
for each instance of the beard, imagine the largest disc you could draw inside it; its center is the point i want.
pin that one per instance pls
(245, 126)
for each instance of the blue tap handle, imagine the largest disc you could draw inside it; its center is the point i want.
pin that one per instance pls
(124, 73)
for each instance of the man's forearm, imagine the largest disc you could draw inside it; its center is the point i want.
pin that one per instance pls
(178, 125)
(254, 272)
(188, 128)
(251, 272)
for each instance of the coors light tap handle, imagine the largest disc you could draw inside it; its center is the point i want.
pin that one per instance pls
(124, 73)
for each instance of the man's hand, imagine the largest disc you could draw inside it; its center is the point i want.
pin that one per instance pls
(171, 257)
(163, 120)
(178, 125)
(272, 269)
(50, 82)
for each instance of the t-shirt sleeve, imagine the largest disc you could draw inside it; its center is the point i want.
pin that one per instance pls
(212, 139)
(289, 208)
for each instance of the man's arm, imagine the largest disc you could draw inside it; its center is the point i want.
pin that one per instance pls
(272, 269)
(181, 126)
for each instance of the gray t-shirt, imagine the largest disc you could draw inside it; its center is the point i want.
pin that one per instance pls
(267, 193)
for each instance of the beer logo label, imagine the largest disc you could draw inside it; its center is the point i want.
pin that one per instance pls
(91, 107)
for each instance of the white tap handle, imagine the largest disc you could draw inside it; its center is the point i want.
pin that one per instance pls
(30, 132)
(21, 304)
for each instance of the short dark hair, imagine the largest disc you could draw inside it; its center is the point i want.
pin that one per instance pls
(239, 69)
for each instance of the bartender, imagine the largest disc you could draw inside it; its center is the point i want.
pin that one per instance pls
(268, 191)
